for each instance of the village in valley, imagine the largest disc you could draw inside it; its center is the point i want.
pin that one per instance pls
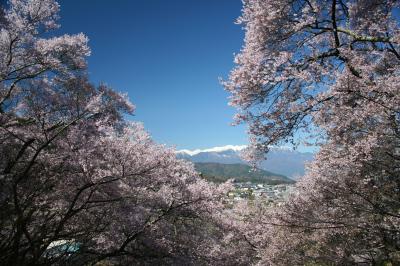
(272, 194)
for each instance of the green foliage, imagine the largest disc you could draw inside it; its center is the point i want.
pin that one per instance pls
(218, 173)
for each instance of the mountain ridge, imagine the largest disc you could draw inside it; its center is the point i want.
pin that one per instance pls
(218, 173)
(282, 160)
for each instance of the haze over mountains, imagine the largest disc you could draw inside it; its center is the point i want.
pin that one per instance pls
(280, 160)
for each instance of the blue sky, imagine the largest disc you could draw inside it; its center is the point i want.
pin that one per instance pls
(168, 56)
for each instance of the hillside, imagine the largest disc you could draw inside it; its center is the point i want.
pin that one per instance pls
(218, 172)
(282, 160)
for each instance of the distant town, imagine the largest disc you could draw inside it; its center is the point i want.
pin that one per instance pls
(274, 195)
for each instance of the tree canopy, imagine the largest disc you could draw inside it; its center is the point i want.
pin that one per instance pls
(329, 69)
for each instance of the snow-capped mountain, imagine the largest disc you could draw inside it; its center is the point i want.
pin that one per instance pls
(215, 149)
(281, 160)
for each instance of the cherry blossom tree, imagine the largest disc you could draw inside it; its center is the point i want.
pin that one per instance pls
(300, 56)
(331, 70)
(26, 55)
(79, 184)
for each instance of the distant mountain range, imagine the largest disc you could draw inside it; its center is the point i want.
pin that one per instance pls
(280, 160)
(219, 172)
